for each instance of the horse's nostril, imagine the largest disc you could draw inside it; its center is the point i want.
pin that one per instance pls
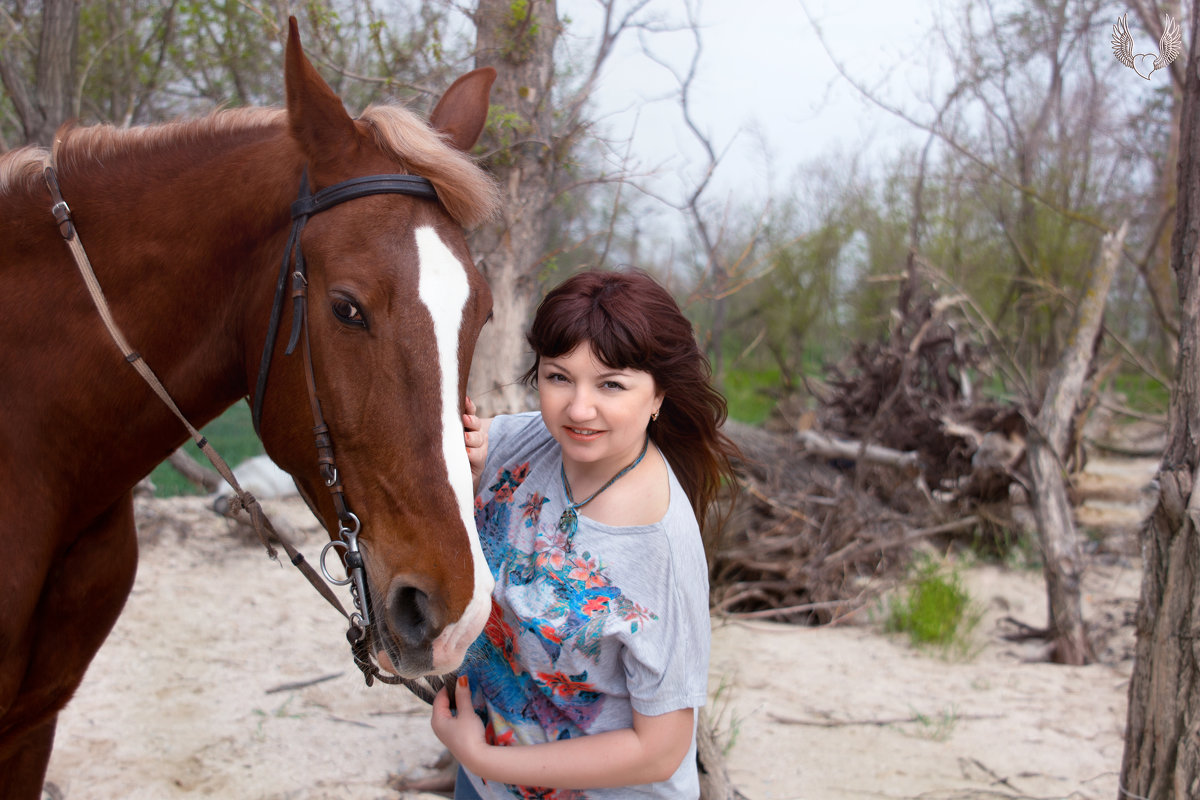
(411, 615)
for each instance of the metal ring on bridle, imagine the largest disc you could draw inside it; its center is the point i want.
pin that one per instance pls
(345, 532)
(325, 571)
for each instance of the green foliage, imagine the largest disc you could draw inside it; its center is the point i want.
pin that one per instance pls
(232, 435)
(522, 29)
(935, 609)
(749, 393)
(503, 129)
(725, 721)
(144, 61)
(227, 52)
(1142, 392)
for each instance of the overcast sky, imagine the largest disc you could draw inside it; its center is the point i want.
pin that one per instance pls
(766, 91)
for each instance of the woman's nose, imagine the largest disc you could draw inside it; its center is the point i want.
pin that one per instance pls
(581, 406)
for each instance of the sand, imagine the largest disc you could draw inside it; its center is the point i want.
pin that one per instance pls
(185, 699)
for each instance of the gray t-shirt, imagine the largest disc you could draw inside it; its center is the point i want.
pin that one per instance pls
(581, 636)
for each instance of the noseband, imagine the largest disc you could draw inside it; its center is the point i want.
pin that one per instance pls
(307, 204)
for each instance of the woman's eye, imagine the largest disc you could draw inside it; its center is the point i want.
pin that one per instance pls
(613, 385)
(347, 311)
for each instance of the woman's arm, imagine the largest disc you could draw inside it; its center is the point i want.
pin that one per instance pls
(648, 752)
(475, 436)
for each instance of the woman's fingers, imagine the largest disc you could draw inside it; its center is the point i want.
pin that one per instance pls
(441, 703)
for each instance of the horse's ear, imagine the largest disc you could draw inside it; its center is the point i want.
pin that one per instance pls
(462, 111)
(316, 115)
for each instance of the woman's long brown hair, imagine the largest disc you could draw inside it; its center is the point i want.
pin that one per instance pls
(632, 322)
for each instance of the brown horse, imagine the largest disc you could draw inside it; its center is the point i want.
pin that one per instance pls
(187, 225)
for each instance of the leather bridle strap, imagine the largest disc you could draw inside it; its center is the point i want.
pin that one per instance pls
(267, 533)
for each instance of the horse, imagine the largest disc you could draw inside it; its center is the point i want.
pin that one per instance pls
(192, 229)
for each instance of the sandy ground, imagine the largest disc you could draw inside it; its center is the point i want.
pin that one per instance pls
(190, 695)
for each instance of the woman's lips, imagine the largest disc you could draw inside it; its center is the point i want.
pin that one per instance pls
(582, 434)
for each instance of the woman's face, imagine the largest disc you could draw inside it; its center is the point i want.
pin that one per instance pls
(597, 414)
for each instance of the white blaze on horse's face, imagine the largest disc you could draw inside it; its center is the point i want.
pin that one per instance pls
(443, 288)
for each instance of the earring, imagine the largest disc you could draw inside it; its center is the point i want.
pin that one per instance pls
(654, 416)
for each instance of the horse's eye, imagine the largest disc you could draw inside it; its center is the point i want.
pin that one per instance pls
(348, 312)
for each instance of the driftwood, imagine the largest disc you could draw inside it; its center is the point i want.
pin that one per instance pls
(1062, 554)
(801, 544)
(710, 760)
(196, 473)
(829, 447)
(898, 454)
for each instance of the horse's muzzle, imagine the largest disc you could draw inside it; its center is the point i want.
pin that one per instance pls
(413, 617)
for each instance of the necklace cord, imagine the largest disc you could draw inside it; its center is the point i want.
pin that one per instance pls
(568, 523)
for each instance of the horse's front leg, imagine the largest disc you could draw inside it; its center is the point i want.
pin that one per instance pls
(25, 769)
(82, 595)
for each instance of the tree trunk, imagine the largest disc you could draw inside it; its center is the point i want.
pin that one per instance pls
(518, 40)
(1047, 450)
(46, 105)
(1155, 267)
(1162, 732)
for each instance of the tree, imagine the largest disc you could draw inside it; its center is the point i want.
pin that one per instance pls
(517, 37)
(534, 127)
(1162, 733)
(37, 67)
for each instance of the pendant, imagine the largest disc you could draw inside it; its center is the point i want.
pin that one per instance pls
(568, 523)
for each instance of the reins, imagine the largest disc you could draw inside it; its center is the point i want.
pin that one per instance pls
(306, 205)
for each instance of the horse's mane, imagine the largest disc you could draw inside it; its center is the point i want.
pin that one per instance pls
(77, 146)
(21, 167)
(468, 194)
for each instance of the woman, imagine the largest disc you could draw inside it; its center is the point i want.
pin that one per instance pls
(595, 658)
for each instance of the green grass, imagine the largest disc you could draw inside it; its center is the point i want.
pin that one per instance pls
(934, 610)
(725, 723)
(231, 434)
(1142, 392)
(744, 391)
(937, 727)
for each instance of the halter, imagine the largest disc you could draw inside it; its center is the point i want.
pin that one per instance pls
(307, 204)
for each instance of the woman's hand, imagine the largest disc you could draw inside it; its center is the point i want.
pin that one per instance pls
(648, 752)
(462, 733)
(475, 436)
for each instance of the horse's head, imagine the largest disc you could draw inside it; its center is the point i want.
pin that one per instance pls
(394, 307)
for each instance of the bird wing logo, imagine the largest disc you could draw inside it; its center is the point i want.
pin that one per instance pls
(1144, 64)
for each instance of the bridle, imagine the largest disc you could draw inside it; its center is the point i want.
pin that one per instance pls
(306, 205)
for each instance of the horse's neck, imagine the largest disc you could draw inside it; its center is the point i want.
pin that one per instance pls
(190, 259)
(186, 263)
